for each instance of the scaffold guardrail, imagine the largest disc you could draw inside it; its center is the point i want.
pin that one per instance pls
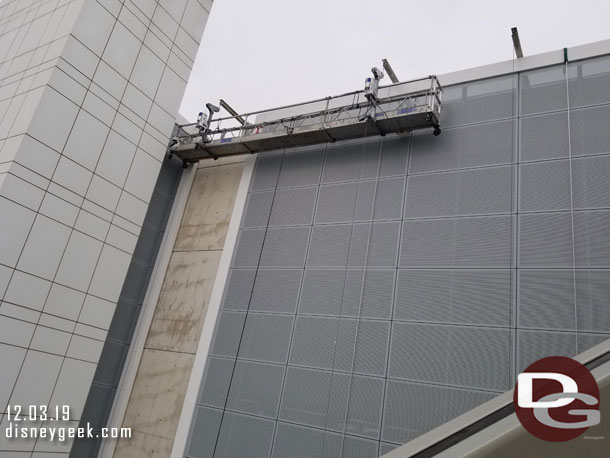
(400, 107)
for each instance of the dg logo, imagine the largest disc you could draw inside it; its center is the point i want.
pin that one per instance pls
(557, 399)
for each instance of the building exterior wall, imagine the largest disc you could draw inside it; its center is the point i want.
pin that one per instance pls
(380, 288)
(164, 370)
(89, 91)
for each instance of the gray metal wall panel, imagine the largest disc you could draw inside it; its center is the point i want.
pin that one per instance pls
(418, 274)
(544, 136)
(589, 82)
(469, 192)
(589, 130)
(545, 186)
(256, 389)
(258, 208)
(457, 242)
(276, 291)
(254, 439)
(543, 90)
(293, 207)
(465, 296)
(470, 146)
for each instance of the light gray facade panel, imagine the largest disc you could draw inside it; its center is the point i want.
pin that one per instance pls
(543, 90)
(249, 247)
(362, 347)
(254, 439)
(305, 396)
(276, 291)
(215, 387)
(533, 345)
(293, 207)
(322, 292)
(394, 156)
(468, 192)
(266, 337)
(589, 82)
(355, 405)
(374, 244)
(545, 240)
(544, 136)
(591, 186)
(266, 173)
(336, 203)
(297, 441)
(589, 130)
(343, 163)
(464, 296)
(419, 274)
(256, 389)
(546, 299)
(207, 421)
(481, 101)
(239, 289)
(258, 208)
(457, 242)
(471, 146)
(545, 186)
(301, 169)
(329, 246)
(228, 332)
(314, 342)
(285, 247)
(412, 408)
(592, 238)
(592, 299)
(466, 356)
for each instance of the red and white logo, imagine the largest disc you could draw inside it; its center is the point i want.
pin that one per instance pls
(557, 399)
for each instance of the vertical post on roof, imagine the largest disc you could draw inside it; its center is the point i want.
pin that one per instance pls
(517, 42)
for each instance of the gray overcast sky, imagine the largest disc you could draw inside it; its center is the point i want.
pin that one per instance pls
(259, 54)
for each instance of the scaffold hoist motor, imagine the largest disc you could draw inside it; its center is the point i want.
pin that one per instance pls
(371, 85)
(203, 120)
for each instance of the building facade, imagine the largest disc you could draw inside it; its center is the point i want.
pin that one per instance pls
(378, 289)
(89, 93)
(332, 301)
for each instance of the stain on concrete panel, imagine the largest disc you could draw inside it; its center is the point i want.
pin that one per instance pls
(183, 302)
(209, 208)
(155, 404)
(158, 394)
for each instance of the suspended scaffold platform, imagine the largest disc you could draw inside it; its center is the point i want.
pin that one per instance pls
(396, 108)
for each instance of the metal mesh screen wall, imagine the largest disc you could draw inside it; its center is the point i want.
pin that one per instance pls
(381, 288)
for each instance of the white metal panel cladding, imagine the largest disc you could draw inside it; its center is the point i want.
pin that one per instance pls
(380, 288)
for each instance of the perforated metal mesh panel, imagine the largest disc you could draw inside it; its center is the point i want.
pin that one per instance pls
(543, 90)
(276, 290)
(336, 203)
(454, 296)
(589, 82)
(256, 388)
(472, 146)
(380, 288)
(483, 191)
(589, 130)
(293, 207)
(457, 242)
(544, 136)
(254, 438)
(285, 247)
(412, 409)
(545, 186)
(258, 208)
(591, 184)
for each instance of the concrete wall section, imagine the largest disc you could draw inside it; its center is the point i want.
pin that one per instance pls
(165, 368)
